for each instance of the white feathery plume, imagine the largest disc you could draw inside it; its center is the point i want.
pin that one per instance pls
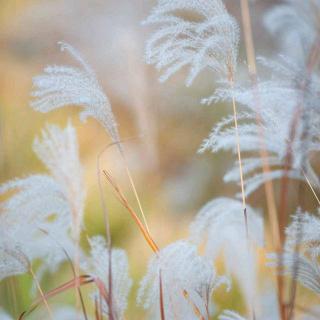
(13, 260)
(97, 265)
(306, 227)
(302, 250)
(209, 39)
(305, 270)
(58, 150)
(219, 225)
(198, 33)
(188, 281)
(60, 86)
(279, 99)
(45, 229)
(296, 25)
(44, 204)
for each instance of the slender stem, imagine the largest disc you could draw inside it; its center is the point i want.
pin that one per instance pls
(247, 28)
(135, 217)
(235, 117)
(44, 299)
(268, 185)
(102, 198)
(312, 61)
(107, 229)
(133, 185)
(252, 68)
(106, 215)
(145, 233)
(295, 271)
(311, 187)
(195, 309)
(162, 310)
(76, 274)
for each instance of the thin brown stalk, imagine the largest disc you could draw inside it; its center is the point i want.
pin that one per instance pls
(133, 214)
(110, 305)
(43, 297)
(283, 216)
(101, 194)
(144, 231)
(285, 178)
(252, 68)
(83, 280)
(78, 289)
(235, 117)
(311, 187)
(248, 37)
(196, 310)
(162, 312)
(123, 156)
(97, 313)
(106, 212)
(312, 61)
(73, 269)
(293, 284)
(268, 185)
(77, 271)
(107, 226)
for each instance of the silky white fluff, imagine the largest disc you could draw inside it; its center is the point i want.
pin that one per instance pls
(302, 250)
(304, 230)
(188, 281)
(97, 265)
(46, 204)
(60, 86)
(220, 225)
(58, 150)
(197, 33)
(276, 102)
(304, 269)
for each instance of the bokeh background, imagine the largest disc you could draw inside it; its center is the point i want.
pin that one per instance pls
(163, 124)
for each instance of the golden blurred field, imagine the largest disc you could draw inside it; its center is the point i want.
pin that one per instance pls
(162, 126)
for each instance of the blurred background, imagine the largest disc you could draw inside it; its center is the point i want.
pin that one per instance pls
(163, 124)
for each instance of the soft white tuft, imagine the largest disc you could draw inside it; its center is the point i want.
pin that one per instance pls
(198, 33)
(60, 86)
(97, 265)
(48, 205)
(220, 225)
(188, 281)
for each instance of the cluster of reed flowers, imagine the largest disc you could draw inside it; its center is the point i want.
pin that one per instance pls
(272, 130)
